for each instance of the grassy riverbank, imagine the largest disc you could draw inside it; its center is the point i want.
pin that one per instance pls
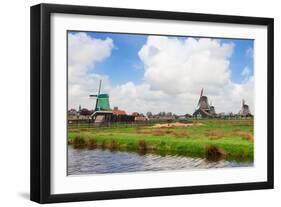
(211, 139)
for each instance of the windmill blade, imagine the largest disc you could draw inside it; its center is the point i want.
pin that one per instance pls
(99, 88)
(91, 96)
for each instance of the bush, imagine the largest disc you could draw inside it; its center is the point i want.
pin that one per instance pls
(214, 153)
(113, 145)
(92, 144)
(142, 147)
(79, 142)
(103, 144)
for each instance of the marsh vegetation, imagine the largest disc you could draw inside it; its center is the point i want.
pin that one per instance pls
(210, 139)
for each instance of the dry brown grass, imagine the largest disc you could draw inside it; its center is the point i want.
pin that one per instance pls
(85, 129)
(79, 130)
(181, 134)
(245, 135)
(153, 132)
(171, 125)
(236, 132)
(158, 132)
(73, 130)
(168, 132)
(238, 123)
(216, 134)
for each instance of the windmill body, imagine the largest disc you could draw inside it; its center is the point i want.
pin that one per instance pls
(102, 102)
(102, 112)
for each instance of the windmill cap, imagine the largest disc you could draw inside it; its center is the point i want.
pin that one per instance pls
(104, 95)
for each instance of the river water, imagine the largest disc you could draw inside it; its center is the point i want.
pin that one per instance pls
(82, 162)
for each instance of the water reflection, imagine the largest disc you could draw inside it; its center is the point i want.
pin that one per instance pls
(104, 161)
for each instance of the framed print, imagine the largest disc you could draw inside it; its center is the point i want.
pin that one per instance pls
(133, 103)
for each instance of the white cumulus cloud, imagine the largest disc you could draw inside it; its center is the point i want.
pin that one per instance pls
(180, 66)
(84, 52)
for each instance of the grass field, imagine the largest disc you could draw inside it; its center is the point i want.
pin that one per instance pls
(211, 139)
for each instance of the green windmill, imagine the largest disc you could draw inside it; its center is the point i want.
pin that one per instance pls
(102, 103)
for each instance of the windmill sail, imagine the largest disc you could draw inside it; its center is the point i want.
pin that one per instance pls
(99, 88)
(201, 94)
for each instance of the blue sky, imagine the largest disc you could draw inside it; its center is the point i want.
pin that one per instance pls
(241, 58)
(125, 65)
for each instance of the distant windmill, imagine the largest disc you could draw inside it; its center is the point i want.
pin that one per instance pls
(245, 110)
(203, 101)
(203, 107)
(102, 102)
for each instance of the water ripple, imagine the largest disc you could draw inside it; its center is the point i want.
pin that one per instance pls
(104, 161)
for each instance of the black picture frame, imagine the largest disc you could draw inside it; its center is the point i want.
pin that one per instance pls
(41, 102)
